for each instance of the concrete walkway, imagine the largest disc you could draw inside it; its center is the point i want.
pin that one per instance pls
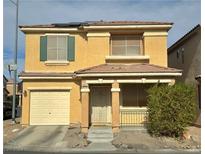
(41, 136)
(52, 138)
(100, 138)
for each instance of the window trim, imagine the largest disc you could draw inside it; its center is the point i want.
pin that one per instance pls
(140, 57)
(127, 35)
(48, 62)
(57, 61)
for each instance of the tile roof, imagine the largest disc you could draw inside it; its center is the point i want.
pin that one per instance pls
(107, 68)
(128, 68)
(95, 23)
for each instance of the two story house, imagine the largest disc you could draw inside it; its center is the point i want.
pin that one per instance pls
(93, 73)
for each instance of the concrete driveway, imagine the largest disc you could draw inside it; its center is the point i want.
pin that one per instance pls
(40, 136)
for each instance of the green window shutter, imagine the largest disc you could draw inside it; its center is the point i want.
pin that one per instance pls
(71, 48)
(43, 48)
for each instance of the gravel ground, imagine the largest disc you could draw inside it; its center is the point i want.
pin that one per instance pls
(126, 140)
(11, 130)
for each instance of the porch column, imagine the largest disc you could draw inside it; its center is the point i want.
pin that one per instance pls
(115, 106)
(85, 108)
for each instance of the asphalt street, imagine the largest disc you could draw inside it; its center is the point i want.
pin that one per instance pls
(162, 152)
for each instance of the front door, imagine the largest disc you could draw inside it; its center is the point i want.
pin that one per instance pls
(100, 105)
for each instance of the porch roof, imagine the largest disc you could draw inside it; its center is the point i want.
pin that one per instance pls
(42, 75)
(137, 68)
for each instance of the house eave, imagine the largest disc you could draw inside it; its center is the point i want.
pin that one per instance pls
(40, 77)
(128, 27)
(127, 74)
(87, 28)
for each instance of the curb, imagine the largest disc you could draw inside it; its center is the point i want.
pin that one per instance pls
(70, 150)
(168, 150)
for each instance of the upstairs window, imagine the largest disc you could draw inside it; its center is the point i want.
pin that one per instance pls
(126, 45)
(57, 48)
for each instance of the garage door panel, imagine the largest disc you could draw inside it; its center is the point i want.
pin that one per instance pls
(49, 107)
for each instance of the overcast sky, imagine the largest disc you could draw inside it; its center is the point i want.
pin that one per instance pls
(185, 14)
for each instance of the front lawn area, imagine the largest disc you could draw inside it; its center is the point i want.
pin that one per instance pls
(135, 139)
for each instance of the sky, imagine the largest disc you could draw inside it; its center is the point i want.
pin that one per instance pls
(185, 14)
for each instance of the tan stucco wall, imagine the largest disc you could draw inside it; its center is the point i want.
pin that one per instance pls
(192, 58)
(75, 104)
(156, 48)
(90, 51)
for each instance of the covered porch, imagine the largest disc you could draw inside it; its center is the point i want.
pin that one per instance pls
(118, 99)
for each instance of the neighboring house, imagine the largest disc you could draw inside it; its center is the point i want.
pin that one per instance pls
(185, 54)
(9, 87)
(93, 73)
(5, 91)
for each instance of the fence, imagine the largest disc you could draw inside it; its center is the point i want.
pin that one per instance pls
(133, 117)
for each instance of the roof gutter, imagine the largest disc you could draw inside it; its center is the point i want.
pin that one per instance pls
(128, 27)
(127, 74)
(34, 29)
(84, 28)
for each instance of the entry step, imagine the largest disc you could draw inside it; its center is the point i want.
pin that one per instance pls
(100, 134)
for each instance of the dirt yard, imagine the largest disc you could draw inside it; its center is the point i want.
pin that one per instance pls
(11, 130)
(74, 138)
(142, 140)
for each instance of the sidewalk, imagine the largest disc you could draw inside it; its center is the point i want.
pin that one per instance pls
(73, 150)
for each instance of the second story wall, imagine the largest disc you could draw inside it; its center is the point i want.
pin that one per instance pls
(156, 48)
(92, 48)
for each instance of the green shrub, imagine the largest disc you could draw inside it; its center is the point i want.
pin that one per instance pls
(171, 109)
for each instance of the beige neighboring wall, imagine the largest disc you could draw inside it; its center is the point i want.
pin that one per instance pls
(75, 104)
(191, 66)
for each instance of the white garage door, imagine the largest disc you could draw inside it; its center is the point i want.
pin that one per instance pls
(49, 107)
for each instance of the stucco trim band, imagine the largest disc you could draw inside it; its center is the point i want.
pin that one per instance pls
(98, 34)
(129, 74)
(49, 88)
(99, 81)
(155, 34)
(127, 26)
(62, 34)
(115, 89)
(56, 62)
(127, 57)
(50, 29)
(144, 80)
(39, 77)
(85, 90)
